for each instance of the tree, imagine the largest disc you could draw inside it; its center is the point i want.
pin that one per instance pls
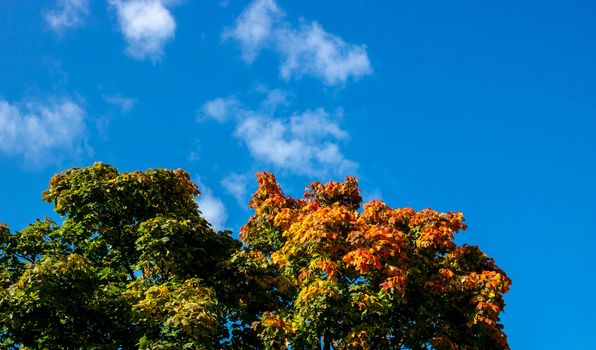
(135, 265)
(330, 276)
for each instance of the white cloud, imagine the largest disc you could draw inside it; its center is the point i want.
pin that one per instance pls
(66, 14)
(254, 27)
(147, 26)
(275, 98)
(305, 143)
(124, 103)
(279, 143)
(220, 109)
(310, 50)
(237, 186)
(213, 209)
(315, 124)
(306, 49)
(34, 130)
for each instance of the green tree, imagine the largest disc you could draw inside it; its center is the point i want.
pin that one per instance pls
(132, 265)
(135, 265)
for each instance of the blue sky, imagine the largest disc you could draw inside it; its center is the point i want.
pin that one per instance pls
(482, 107)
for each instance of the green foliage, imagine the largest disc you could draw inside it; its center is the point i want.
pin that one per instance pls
(187, 314)
(60, 302)
(134, 265)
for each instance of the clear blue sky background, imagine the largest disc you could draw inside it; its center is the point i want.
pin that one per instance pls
(482, 107)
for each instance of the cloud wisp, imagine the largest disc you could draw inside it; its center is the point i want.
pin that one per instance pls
(220, 109)
(66, 14)
(306, 49)
(213, 209)
(254, 27)
(42, 132)
(123, 103)
(147, 25)
(237, 186)
(305, 143)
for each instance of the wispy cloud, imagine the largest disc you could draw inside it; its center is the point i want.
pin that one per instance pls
(213, 209)
(254, 27)
(275, 98)
(118, 104)
(219, 109)
(283, 142)
(42, 131)
(306, 49)
(147, 26)
(66, 14)
(237, 186)
(305, 143)
(123, 103)
(310, 50)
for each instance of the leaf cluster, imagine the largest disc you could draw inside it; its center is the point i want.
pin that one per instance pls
(370, 278)
(134, 265)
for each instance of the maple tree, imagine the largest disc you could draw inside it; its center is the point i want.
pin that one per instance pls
(330, 276)
(135, 265)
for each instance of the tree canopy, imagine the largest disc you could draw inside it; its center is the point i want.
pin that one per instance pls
(134, 265)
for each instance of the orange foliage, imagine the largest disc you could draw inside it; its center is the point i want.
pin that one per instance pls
(330, 251)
